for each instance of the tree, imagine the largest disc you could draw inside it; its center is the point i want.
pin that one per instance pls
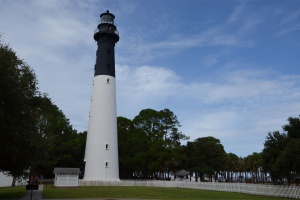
(241, 168)
(293, 128)
(128, 145)
(172, 137)
(253, 164)
(281, 150)
(191, 159)
(60, 145)
(18, 135)
(273, 146)
(232, 165)
(170, 125)
(148, 127)
(149, 145)
(206, 156)
(287, 163)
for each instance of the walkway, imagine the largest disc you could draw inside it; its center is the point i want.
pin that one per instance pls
(36, 194)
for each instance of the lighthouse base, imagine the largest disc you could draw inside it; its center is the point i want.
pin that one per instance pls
(85, 182)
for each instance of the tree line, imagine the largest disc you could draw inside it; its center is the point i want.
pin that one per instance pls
(36, 136)
(151, 148)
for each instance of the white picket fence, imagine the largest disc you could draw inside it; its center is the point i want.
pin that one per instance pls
(258, 189)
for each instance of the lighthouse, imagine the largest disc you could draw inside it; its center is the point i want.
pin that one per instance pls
(101, 153)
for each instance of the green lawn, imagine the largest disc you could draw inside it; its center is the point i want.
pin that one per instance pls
(12, 192)
(144, 193)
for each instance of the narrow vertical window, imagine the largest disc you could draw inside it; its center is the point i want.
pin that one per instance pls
(107, 81)
(106, 146)
(106, 164)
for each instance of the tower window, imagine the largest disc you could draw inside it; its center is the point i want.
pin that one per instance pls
(106, 146)
(106, 164)
(107, 81)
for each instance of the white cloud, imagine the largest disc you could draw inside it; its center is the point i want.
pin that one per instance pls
(144, 87)
(236, 14)
(290, 17)
(241, 85)
(243, 105)
(288, 29)
(211, 60)
(288, 23)
(142, 46)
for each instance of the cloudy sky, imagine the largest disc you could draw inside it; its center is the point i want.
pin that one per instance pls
(227, 69)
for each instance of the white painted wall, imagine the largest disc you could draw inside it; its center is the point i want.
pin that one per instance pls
(66, 180)
(102, 131)
(5, 180)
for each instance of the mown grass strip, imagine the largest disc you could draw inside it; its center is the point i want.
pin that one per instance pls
(145, 193)
(12, 192)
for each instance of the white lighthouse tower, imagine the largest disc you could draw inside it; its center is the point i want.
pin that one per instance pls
(101, 153)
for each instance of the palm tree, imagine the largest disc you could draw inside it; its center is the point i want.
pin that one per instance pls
(253, 163)
(232, 165)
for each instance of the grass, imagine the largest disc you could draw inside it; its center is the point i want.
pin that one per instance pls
(145, 193)
(12, 192)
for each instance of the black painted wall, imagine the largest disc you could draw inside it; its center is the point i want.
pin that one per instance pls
(105, 61)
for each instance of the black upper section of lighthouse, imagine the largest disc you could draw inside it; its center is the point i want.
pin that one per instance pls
(106, 36)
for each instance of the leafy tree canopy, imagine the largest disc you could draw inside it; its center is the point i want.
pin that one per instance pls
(206, 156)
(149, 143)
(280, 155)
(18, 131)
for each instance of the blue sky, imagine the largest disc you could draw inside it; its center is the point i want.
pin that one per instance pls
(227, 69)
